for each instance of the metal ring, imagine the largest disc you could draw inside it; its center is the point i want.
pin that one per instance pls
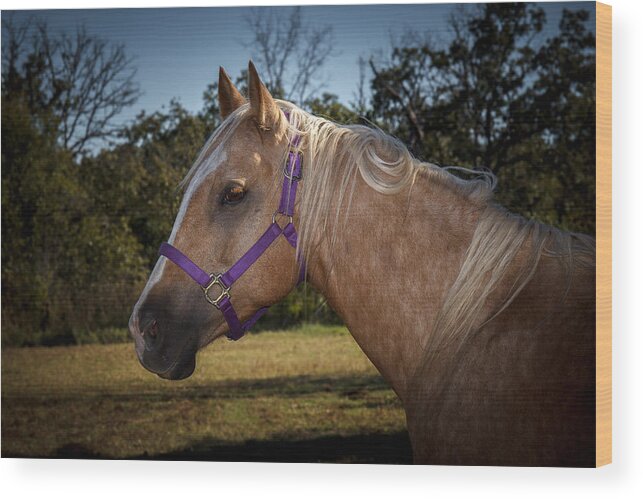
(278, 214)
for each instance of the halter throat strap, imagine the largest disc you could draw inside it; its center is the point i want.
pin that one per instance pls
(217, 287)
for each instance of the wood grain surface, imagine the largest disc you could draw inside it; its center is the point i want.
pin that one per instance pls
(603, 234)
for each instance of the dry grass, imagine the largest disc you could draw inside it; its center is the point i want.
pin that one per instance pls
(304, 395)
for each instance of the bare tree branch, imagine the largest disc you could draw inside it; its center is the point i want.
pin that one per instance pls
(81, 81)
(404, 101)
(289, 52)
(360, 104)
(13, 49)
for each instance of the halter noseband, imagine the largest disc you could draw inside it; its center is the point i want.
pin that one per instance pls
(224, 281)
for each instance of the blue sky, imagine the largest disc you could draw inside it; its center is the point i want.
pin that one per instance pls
(178, 51)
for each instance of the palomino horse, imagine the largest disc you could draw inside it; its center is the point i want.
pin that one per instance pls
(481, 321)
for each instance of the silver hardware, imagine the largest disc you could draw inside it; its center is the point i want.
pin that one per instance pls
(225, 292)
(278, 215)
(288, 174)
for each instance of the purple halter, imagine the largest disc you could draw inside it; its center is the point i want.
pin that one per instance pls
(292, 176)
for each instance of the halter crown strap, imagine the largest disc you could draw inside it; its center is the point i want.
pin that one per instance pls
(221, 283)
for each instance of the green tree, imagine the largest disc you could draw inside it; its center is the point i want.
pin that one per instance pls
(560, 111)
(144, 172)
(328, 106)
(494, 98)
(68, 264)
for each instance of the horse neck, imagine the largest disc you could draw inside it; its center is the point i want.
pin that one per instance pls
(392, 263)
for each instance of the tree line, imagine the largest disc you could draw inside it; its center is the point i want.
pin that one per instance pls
(86, 203)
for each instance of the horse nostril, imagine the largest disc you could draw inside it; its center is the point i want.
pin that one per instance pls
(151, 330)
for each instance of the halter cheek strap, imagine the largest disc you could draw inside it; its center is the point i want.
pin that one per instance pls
(222, 283)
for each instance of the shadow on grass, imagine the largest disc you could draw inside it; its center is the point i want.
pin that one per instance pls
(351, 387)
(374, 448)
(289, 386)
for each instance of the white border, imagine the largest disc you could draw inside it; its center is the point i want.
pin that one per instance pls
(104, 479)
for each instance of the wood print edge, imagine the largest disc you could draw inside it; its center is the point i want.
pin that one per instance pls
(603, 234)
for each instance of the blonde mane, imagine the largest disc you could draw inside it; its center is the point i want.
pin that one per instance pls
(337, 153)
(334, 156)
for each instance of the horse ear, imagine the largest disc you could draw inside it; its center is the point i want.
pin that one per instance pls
(229, 97)
(262, 104)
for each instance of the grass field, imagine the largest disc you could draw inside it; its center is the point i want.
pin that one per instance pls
(307, 395)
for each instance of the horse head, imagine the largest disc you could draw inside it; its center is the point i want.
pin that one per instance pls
(230, 199)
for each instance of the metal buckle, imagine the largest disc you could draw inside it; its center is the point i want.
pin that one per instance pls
(288, 174)
(215, 279)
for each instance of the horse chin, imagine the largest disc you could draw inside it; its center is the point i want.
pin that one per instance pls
(182, 368)
(185, 364)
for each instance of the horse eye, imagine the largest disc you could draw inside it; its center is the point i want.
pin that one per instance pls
(233, 194)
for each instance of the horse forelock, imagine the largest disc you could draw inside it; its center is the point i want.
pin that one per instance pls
(207, 159)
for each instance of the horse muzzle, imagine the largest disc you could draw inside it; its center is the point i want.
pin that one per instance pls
(157, 353)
